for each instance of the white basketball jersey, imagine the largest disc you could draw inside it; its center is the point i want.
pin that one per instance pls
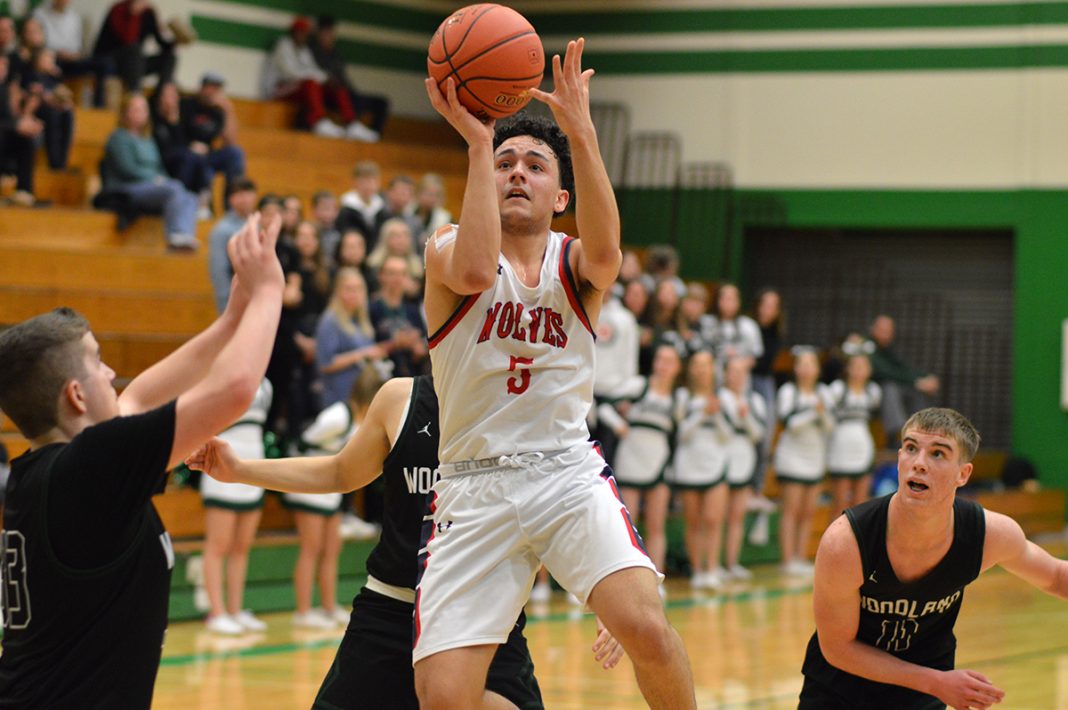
(513, 365)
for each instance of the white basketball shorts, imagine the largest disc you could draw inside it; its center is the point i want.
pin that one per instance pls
(494, 521)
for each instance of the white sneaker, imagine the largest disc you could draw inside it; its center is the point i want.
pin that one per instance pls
(338, 614)
(249, 621)
(224, 625)
(541, 593)
(356, 131)
(355, 528)
(715, 578)
(328, 129)
(313, 619)
(797, 568)
(183, 242)
(759, 533)
(697, 580)
(739, 573)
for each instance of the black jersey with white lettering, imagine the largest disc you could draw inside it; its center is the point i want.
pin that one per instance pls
(410, 471)
(87, 568)
(911, 620)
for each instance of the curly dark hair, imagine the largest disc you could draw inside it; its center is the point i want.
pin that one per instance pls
(544, 130)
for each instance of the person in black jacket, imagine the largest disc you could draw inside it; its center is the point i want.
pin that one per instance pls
(323, 45)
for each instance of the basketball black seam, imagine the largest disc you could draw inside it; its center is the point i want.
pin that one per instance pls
(445, 48)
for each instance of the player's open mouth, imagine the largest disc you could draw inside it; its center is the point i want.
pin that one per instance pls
(517, 193)
(917, 486)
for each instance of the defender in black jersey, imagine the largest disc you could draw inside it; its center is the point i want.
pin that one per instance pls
(890, 579)
(86, 561)
(399, 440)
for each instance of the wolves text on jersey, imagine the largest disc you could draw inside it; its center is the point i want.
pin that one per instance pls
(510, 320)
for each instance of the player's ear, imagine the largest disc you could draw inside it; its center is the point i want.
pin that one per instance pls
(73, 396)
(563, 198)
(964, 475)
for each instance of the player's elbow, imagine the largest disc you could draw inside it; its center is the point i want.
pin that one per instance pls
(834, 651)
(476, 280)
(236, 392)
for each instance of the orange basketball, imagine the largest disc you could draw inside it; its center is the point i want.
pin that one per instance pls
(494, 56)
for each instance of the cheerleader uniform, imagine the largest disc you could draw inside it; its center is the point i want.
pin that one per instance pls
(700, 446)
(851, 451)
(324, 437)
(246, 438)
(744, 432)
(801, 455)
(642, 457)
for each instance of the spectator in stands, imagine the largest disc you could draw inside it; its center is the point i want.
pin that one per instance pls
(734, 334)
(694, 328)
(242, 202)
(636, 299)
(210, 125)
(630, 268)
(395, 239)
(8, 37)
(324, 48)
(805, 410)
(352, 253)
(56, 109)
(662, 264)
(314, 292)
(122, 42)
(767, 313)
(345, 338)
(360, 205)
(398, 197)
(40, 77)
(231, 516)
(292, 216)
(398, 322)
(292, 75)
(284, 351)
(429, 207)
(65, 35)
(905, 388)
(19, 129)
(132, 165)
(324, 216)
(617, 347)
(660, 317)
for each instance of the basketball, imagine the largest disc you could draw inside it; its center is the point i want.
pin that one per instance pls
(494, 56)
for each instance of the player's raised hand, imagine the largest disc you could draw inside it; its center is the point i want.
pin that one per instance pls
(606, 648)
(964, 690)
(253, 257)
(470, 128)
(217, 459)
(570, 98)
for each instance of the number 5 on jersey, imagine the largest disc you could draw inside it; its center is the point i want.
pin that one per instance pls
(518, 385)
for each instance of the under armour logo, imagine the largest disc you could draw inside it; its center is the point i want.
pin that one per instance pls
(871, 577)
(426, 430)
(442, 527)
(500, 269)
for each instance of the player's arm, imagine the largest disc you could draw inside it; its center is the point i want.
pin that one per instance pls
(596, 257)
(468, 264)
(356, 465)
(836, 602)
(226, 390)
(1007, 546)
(191, 362)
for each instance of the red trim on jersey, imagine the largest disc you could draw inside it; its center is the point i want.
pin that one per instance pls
(424, 558)
(570, 287)
(453, 319)
(630, 531)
